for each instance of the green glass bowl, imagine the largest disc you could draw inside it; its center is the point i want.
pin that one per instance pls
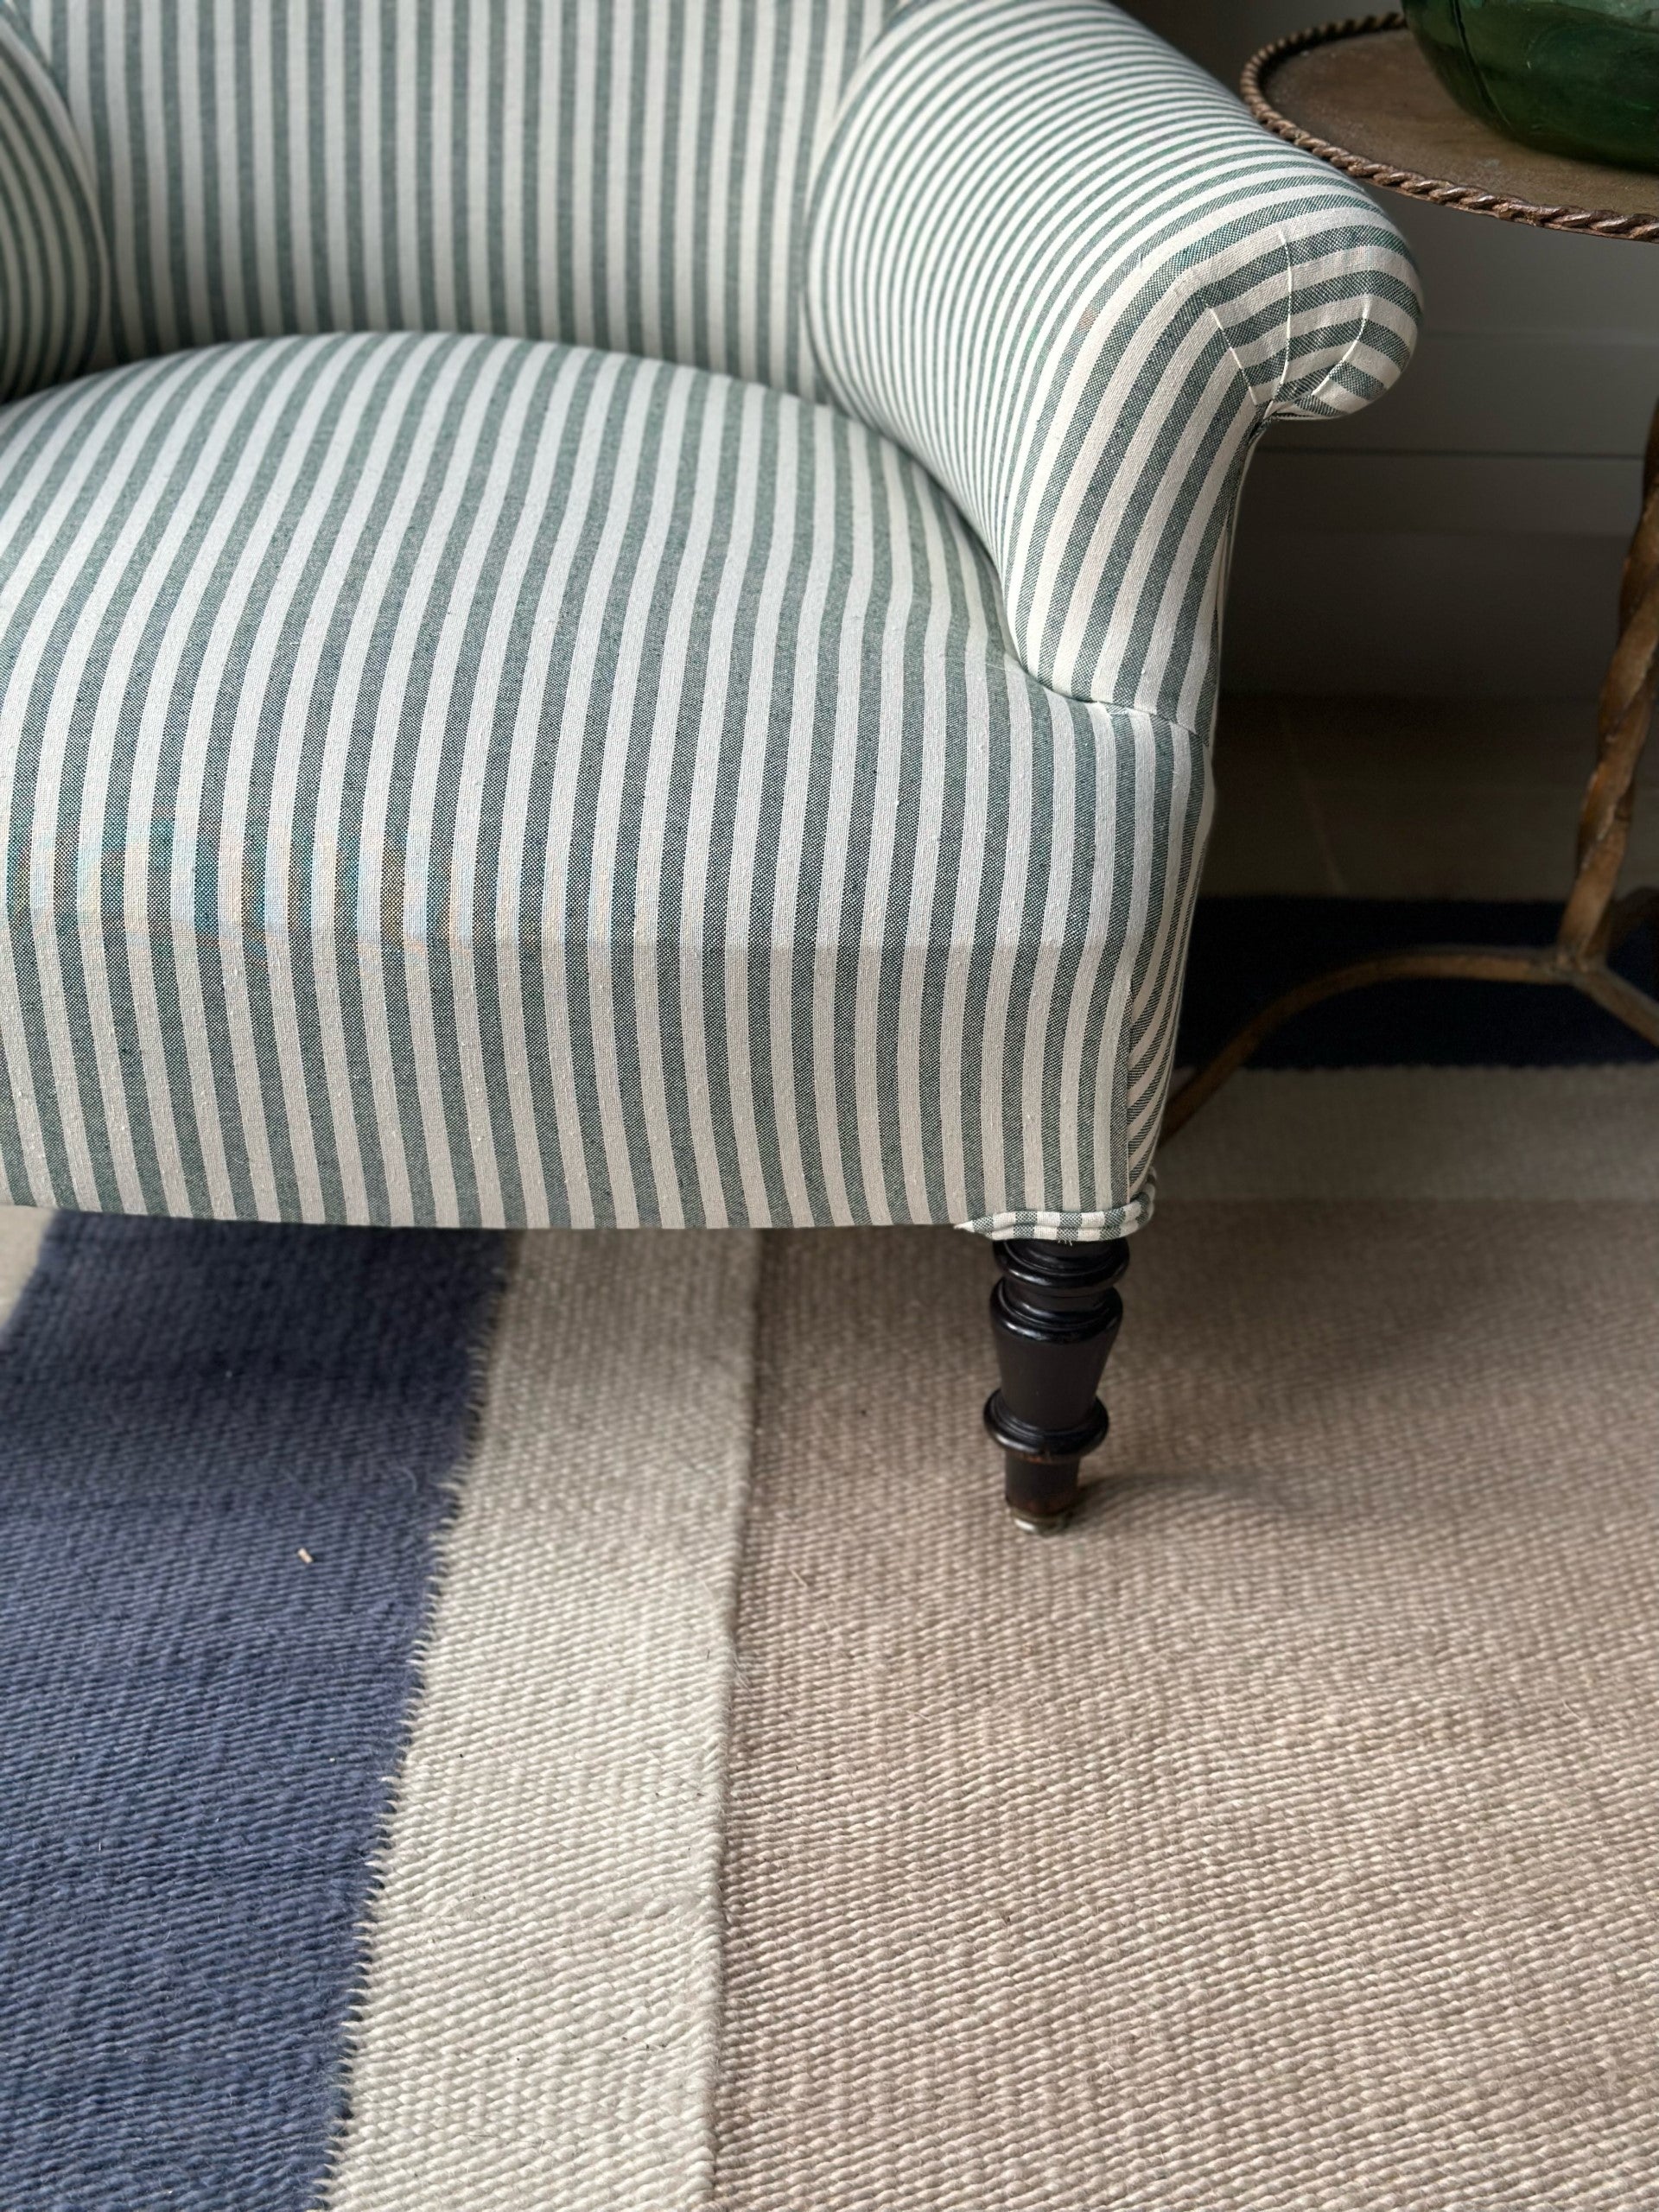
(1575, 76)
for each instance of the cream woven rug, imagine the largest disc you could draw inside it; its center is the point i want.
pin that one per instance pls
(782, 1832)
(1287, 1837)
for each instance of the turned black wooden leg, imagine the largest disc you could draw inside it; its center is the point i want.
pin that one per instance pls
(1054, 1315)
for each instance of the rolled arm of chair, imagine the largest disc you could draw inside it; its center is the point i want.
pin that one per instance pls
(1061, 265)
(53, 265)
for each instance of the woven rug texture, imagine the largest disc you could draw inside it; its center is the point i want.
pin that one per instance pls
(562, 1724)
(1283, 1836)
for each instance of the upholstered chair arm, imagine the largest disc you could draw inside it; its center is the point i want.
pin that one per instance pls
(53, 263)
(1061, 265)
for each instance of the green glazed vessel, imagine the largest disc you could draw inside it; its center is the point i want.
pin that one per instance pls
(1575, 76)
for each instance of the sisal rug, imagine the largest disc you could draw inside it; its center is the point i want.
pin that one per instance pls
(667, 1782)
(1288, 1835)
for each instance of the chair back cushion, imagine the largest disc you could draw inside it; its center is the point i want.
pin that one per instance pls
(51, 268)
(628, 174)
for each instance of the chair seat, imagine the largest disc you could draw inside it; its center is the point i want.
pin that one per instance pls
(466, 781)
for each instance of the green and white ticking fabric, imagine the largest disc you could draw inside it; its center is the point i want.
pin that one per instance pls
(454, 773)
(465, 779)
(1064, 268)
(54, 280)
(626, 173)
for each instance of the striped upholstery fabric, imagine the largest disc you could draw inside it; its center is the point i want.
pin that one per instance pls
(618, 173)
(461, 780)
(53, 280)
(457, 777)
(1058, 263)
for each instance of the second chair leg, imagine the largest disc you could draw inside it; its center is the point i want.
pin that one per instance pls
(1054, 1315)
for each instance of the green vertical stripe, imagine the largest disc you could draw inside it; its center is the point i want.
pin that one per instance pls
(220, 228)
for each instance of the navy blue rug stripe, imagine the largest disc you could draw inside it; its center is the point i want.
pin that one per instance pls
(201, 1728)
(1246, 952)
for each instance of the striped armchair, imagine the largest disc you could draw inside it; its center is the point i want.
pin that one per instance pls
(609, 613)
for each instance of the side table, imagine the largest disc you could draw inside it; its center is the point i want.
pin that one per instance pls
(1360, 96)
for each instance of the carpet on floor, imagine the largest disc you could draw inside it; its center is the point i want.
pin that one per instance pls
(1245, 951)
(560, 1725)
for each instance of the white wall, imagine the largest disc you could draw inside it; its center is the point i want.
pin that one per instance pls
(1466, 534)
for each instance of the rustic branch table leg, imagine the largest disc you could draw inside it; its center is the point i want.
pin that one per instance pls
(1594, 921)
(1625, 717)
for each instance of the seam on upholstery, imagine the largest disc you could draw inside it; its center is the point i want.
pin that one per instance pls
(1282, 409)
(1290, 318)
(850, 99)
(1096, 1225)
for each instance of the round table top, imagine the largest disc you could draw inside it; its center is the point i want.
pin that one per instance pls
(1361, 95)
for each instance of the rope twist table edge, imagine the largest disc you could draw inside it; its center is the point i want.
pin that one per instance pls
(1440, 191)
